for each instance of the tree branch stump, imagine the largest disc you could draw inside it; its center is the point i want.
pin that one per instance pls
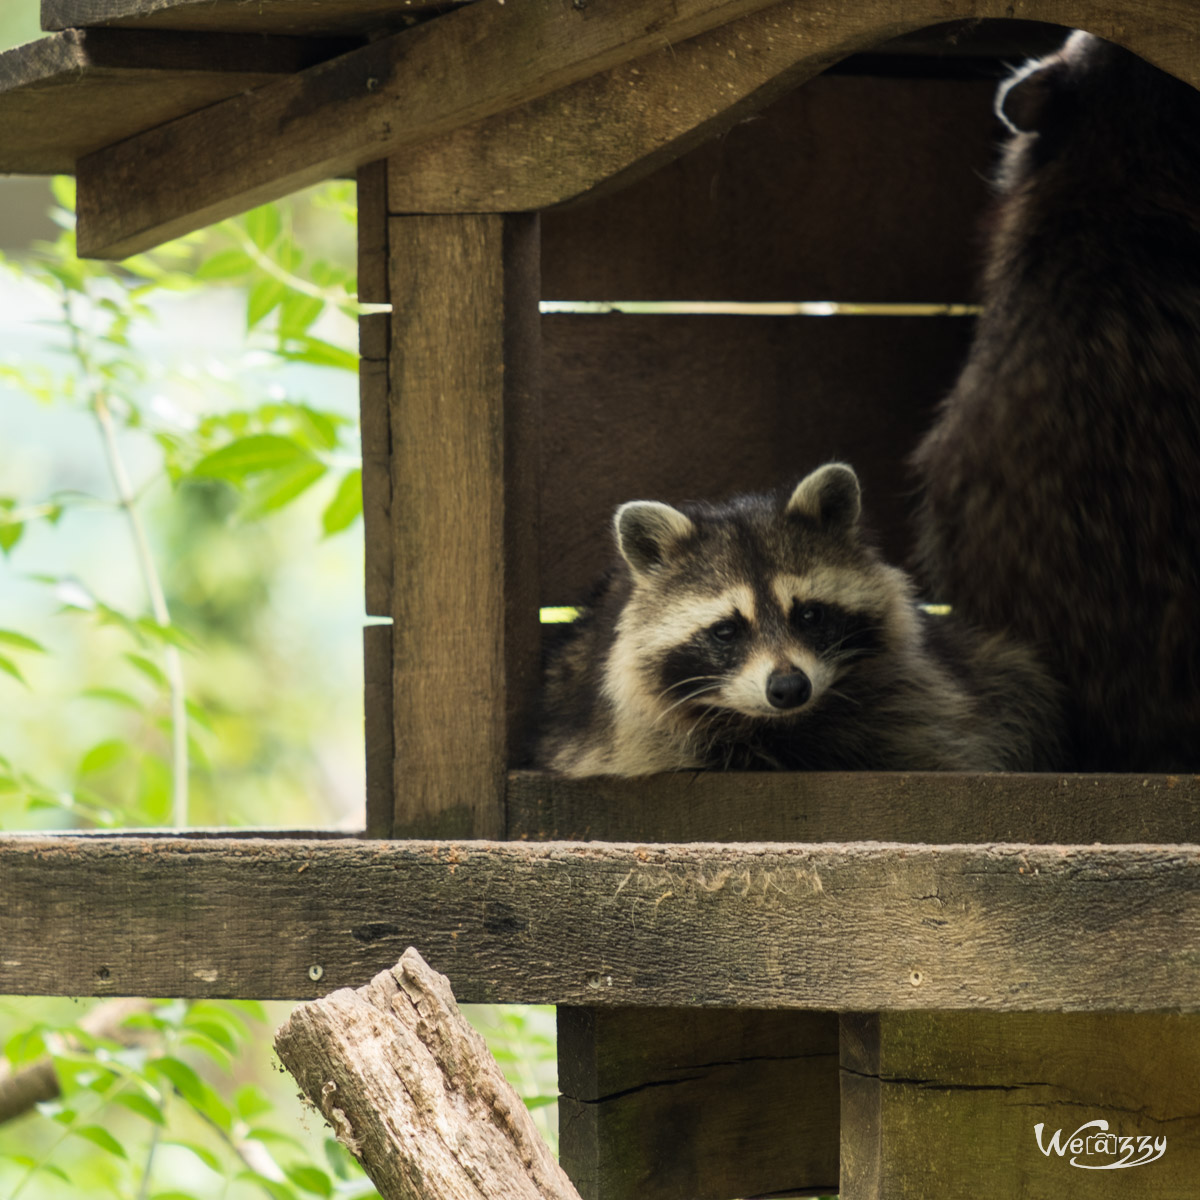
(414, 1094)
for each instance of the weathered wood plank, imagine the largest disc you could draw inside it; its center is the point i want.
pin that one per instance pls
(670, 101)
(854, 927)
(366, 105)
(462, 392)
(689, 1104)
(380, 738)
(934, 807)
(373, 328)
(777, 209)
(343, 17)
(780, 395)
(70, 94)
(946, 1104)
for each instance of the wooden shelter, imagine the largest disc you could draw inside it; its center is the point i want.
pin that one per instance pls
(768, 984)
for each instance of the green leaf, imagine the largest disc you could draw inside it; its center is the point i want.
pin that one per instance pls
(193, 1089)
(251, 1101)
(225, 264)
(102, 756)
(203, 1153)
(102, 1138)
(8, 637)
(319, 353)
(297, 313)
(280, 488)
(311, 1179)
(10, 534)
(263, 298)
(346, 504)
(151, 670)
(173, 1196)
(142, 1105)
(249, 455)
(532, 1102)
(10, 668)
(25, 1046)
(111, 696)
(63, 187)
(263, 225)
(272, 1137)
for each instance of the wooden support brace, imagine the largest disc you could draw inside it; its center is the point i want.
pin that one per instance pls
(412, 1091)
(950, 1104)
(464, 453)
(692, 1104)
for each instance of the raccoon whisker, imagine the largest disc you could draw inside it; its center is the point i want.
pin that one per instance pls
(831, 691)
(708, 687)
(682, 682)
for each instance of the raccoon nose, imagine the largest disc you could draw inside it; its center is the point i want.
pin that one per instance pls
(788, 689)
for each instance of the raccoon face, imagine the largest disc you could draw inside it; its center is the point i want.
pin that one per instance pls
(736, 612)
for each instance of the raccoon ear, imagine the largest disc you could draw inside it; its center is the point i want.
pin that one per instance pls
(648, 532)
(830, 496)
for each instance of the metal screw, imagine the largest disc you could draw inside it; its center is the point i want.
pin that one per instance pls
(316, 972)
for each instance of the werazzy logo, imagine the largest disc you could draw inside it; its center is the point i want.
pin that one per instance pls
(1120, 1150)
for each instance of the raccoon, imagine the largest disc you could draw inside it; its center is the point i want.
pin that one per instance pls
(1060, 484)
(766, 633)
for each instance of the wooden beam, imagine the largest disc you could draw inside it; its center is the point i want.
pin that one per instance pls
(70, 94)
(936, 807)
(695, 1104)
(671, 100)
(854, 927)
(464, 455)
(460, 68)
(341, 17)
(947, 1104)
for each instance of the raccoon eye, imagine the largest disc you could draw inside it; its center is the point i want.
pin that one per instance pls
(812, 615)
(723, 631)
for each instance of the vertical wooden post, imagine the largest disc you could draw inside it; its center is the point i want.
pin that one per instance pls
(462, 388)
(697, 1104)
(374, 336)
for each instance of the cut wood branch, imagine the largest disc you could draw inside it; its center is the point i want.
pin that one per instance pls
(414, 1094)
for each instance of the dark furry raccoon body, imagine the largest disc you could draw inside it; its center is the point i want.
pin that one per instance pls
(1061, 483)
(767, 633)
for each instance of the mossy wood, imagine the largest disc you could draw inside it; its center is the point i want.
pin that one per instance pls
(692, 1104)
(857, 927)
(946, 1104)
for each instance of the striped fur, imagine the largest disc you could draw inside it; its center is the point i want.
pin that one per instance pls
(766, 633)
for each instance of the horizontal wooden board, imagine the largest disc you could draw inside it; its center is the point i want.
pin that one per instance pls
(850, 926)
(243, 16)
(676, 408)
(400, 89)
(937, 807)
(697, 1104)
(952, 1102)
(849, 188)
(72, 93)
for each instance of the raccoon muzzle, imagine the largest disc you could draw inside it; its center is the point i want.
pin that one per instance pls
(788, 689)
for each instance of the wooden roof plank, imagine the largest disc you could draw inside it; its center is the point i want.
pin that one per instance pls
(835, 926)
(307, 17)
(372, 102)
(72, 93)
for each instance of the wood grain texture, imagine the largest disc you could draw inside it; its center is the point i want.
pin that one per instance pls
(463, 381)
(700, 92)
(414, 1093)
(375, 425)
(682, 408)
(380, 737)
(853, 927)
(342, 17)
(368, 104)
(70, 94)
(779, 209)
(688, 1104)
(373, 328)
(934, 807)
(945, 1104)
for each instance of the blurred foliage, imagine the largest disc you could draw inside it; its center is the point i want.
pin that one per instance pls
(213, 487)
(18, 22)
